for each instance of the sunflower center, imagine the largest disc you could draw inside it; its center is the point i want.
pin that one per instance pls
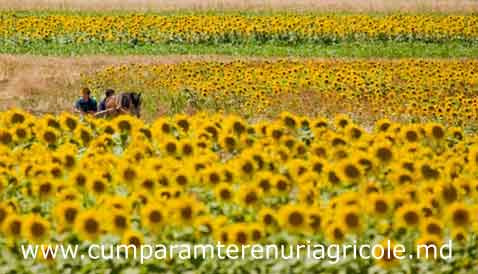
(338, 234)
(15, 227)
(241, 237)
(251, 198)
(155, 216)
(296, 219)
(411, 218)
(352, 172)
(225, 194)
(352, 220)
(460, 217)
(186, 213)
(120, 222)
(268, 219)
(381, 206)
(434, 229)
(45, 189)
(70, 215)
(37, 230)
(99, 187)
(91, 226)
(134, 240)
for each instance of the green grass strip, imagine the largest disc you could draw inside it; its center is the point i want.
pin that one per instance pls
(345, 49)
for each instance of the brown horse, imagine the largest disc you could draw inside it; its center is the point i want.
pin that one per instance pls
(123, 103)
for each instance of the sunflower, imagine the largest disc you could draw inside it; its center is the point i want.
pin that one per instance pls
(21, 134)
(185, 209)
(118, 221)
(428, 171)
(354, 132)
(182, 178)
(12, 227)
(79, 178)
(48, 135)
(147, 182)
(154, 217)
(332, 177)
(448, 193)
(335, 233)
(459, 235)
(383, 152)
(6, 137)
(391, 255)
(16, 116)
(267, 217)
(5, 211)
(350, 219)
(435, 131)
(89, 225)
(170, 147)
(35, 228)
(97, 185)
(68, 121)
(45, 187)
(229, 143)
(341, 121)
(128, 173)
(186, 148)
(132, 237)
(289, 120)
(125, 123)
(239, 234)
(224, 192)
(204, 226)
(320, 123)
(315, 219)
(249, 196)
(383, 125)
(246, 166)
(378, 204)
(459, 215)
(349, 171)
(222, 235)
(408, 216)
(183, 122)
(84, 135)
(293, 218)
(428, 246)
(281, 185)
(68, 157)
(256, 231)
(432, 226)
(66, 213)
(276, 132)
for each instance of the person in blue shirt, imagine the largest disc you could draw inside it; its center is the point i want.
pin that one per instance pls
(86, 104)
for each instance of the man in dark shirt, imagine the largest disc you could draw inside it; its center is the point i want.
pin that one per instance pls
(86, 104)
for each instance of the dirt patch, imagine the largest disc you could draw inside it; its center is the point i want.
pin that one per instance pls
(467, 6)
(50, 84)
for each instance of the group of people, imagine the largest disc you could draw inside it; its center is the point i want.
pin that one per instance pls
(88, 105)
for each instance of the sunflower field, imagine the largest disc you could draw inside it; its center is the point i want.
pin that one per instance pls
(289, 29)
(215, 177)
(248, 135)
(409, 89)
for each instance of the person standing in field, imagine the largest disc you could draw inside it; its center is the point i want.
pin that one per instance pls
(86, 104)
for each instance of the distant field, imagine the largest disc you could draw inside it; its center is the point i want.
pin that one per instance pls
(250, 86)
(239, 34)
(250, 5)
